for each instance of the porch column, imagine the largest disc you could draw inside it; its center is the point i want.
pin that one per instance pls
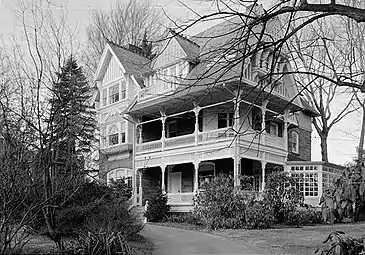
(163, 170)
(236, 128)
(196, 111)
(196, 175)
(140, 186)
(263, 166)
(285, 133)
(163, 120)
(139, 132)
(263, 113)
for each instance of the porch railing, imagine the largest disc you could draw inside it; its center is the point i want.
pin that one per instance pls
(215, 135)
(181, 198)
(179, 141)
(149, 146)
(159, 88)
(275, 141)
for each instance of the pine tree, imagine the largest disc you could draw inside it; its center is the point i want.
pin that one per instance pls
(73, 119)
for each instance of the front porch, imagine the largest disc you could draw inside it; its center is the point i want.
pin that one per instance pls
(181, 182)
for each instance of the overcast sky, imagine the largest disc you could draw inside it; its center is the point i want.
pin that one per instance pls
(343, 138)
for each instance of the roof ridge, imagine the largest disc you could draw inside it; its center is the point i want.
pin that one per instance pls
(127, 49)
(183, 36)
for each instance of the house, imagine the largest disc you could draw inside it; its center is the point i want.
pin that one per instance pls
(189, 114)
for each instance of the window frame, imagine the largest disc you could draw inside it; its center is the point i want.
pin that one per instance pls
(128, 176)
(115, 97)
(123, 92)
(112, 135)
(228, 118)
(294, 149)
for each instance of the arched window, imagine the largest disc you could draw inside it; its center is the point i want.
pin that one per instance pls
(120, 173)
(113, 135)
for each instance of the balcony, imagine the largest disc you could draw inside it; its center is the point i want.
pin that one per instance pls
(117, 149)
(160, 88)
(210, 137)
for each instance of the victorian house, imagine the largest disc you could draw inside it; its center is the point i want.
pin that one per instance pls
(192, 112)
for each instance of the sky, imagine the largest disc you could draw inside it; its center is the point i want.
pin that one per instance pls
(343, 138)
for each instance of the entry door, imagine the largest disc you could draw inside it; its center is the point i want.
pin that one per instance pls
(175, 182)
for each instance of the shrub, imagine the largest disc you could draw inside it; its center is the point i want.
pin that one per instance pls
(100, 243)
(218, 206)
(259, 215)
(158, 208)
(338, 243)
(283, 195)
(189, 218)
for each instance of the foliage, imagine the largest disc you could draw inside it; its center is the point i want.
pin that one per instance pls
(100, 243)
(348, 190)
(259, 215)
(218, 206)
(338, 243)
(190, 218)
(157, 209)
(120, 188)
(282, 194)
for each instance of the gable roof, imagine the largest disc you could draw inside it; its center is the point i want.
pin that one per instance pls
(133, 63)
(190, 48)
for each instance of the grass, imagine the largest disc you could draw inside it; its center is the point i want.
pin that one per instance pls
(283, 240)
(39, 244)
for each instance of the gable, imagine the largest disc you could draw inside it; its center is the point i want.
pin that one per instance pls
(171, 53)
(113, 71)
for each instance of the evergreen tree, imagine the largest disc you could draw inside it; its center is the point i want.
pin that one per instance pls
(73, 119)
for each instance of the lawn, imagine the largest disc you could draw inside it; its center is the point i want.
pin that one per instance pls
(284, 241)
(43, 245)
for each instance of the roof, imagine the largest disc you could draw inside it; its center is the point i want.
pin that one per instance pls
(308, 108)
(190, 48)
(134, 63)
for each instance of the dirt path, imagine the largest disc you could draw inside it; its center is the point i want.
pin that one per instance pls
(174, 241)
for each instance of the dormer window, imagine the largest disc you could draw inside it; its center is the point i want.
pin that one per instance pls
(123, 90)
(114, 94)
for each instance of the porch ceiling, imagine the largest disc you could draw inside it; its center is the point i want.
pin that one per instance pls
(203, 95)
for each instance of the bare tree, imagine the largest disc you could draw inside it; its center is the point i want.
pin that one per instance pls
(319, 52)
(127, 22)
(33, 73)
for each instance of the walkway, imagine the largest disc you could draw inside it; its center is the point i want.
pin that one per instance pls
(173, 241)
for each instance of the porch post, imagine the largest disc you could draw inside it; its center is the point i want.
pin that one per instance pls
(140, 186)
(139, 130)
(163, 119)
(196, 174)
(263, 166)
(285, 133)
(263, 113)
(196, 111)
(163, 170)
(236, 128)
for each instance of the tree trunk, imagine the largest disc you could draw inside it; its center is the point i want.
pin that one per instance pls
(324, 151)
(360, 150)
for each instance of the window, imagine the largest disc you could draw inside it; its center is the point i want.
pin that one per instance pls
(225, 120)
(171, 129)
(273, 129)
(123, 91)
(114, 94)
(122, 131)
(103, 137)
(308, 183)
(104, 96)
(118, 174)
(256, 119)
(113, 136)
(294, 142)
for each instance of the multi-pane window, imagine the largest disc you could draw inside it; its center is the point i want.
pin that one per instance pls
(122, 132)
(113, 136)
(114, 94)
(225, 120)
(123, 91)
(308, 183)
(294, 144)
(118, 174)
(104, 96)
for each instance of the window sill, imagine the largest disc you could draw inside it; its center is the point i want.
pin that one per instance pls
(112, 104)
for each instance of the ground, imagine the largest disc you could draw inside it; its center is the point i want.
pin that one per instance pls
(177, 241)
(283, 241)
